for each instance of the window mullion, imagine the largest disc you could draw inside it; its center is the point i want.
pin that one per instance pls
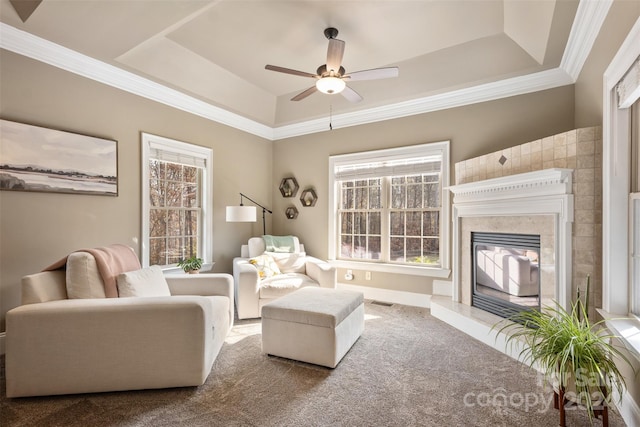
(385, 223)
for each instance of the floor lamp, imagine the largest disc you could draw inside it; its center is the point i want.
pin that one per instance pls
(244, 213)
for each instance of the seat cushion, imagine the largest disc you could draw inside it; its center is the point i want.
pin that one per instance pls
(314, 306)
(283, 284)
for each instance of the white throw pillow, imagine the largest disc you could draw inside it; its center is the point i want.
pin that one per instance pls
(83, 278)
(290, 263)
(146, 282)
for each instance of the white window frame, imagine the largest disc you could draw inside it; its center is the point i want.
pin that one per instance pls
(415, 151)
(616, 221)
(150, 142)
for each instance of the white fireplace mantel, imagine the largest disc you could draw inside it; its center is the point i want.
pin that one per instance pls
(546, 182)
(545, 192)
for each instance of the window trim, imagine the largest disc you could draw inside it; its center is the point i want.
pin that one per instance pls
(399, 153)
(616, 138)
(150, 141)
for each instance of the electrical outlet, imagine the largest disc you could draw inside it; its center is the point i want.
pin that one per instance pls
(348, 275)
(367, 275)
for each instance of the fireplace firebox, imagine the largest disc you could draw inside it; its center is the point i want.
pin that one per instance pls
(505, 272)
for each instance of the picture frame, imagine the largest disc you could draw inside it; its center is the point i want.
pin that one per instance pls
(34, 158)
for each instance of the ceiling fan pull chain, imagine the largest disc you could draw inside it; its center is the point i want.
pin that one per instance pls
(330, 116)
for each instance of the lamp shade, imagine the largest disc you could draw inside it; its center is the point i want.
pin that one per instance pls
(241, 214)
(330, 85)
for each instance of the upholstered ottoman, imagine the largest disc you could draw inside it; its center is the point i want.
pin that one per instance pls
(313, 325)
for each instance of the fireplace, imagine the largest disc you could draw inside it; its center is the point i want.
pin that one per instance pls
(506, 272)
(541, 188)
(538, 203)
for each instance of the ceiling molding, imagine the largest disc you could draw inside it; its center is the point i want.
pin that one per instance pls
(42, 50)
(585, 29)
(543, 80)
(589, 19)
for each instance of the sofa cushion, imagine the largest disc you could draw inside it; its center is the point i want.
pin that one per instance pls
(284, 284)
(290, 263)
(266, 266)
(83, 278)
(146, 282)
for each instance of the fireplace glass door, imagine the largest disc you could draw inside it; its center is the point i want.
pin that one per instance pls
(506, 272)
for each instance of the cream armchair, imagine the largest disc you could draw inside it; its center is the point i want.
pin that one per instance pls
(294, 269)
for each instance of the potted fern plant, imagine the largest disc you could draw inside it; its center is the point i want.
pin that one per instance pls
(576, 356)
(191, 265)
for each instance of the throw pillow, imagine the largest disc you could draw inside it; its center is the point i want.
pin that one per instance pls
(82, 277)
(290, 263)
(266, 266)
(146, 282)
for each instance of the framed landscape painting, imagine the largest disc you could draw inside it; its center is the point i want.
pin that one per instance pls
(34, 158)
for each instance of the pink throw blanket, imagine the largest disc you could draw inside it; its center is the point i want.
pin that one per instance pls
(111, 260)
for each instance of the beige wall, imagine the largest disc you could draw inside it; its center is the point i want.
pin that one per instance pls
(36, 229)
(473, 130)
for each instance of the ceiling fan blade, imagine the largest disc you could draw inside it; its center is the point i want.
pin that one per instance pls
(351, 94)
(335, 53)
(374, 74)
(303, 95)
(289, 71)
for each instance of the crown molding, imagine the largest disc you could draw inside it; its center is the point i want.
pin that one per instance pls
(588, 21)
(26, 44)
(543, 80)
(585, 29)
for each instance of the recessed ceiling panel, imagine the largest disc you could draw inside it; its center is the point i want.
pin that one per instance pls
(245, 36)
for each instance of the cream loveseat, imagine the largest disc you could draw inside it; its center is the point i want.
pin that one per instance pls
(256, 282)
(59, 345)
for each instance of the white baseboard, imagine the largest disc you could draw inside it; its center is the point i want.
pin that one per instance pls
(2, 338)
(391, 296)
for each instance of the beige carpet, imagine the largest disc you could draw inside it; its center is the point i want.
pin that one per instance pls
(407, 369)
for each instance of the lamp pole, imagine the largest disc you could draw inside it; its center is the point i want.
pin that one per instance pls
(264, 211)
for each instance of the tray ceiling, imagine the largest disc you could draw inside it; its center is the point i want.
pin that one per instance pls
(215, 51)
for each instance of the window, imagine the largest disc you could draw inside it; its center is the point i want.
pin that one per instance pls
(389, 207)
(176, 200)
(620, 208)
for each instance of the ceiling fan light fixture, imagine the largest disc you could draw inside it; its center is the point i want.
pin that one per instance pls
(330, 85)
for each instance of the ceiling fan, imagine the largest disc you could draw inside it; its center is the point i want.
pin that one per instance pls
(331, 77)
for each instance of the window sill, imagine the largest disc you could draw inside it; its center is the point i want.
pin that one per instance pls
(627, 328)
(439, 273)
(207, 267)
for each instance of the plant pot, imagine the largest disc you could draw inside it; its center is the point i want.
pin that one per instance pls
(193, 272)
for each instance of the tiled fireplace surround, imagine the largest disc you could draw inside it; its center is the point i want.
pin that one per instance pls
(551, 187)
